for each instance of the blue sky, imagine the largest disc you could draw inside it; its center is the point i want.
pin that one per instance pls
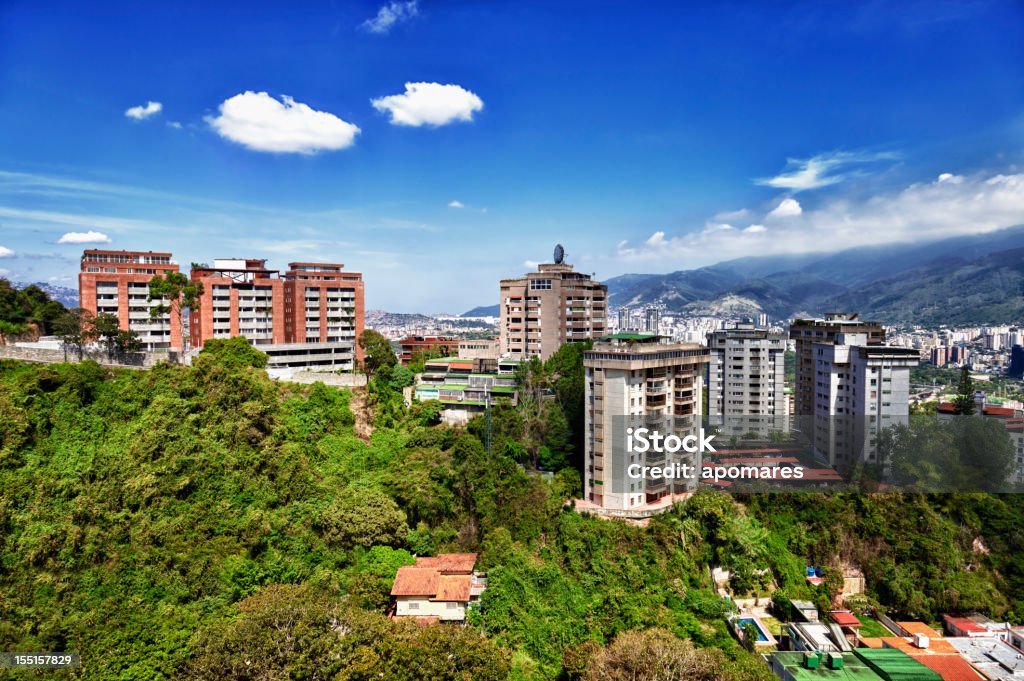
(438, 146)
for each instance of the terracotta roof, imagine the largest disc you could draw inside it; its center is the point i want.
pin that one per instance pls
(949, 667)
(936, 646)
(454, 588)
(919, 628)
(449, 563)
(845, 619)
(871, 642)
(964, 624)
(415, 581)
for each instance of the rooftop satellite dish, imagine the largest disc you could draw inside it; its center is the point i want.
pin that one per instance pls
(559, 254)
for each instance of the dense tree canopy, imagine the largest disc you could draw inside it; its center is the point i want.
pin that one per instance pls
(207, 522)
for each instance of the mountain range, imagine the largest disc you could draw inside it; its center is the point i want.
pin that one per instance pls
(961, 280)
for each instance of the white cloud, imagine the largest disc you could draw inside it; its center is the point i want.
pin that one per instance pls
(788, 207)
(260, 122)
(926, 211)
(431, 104)
(456, 204)
(174, 124)
(820, 171)
(142, 112)
(90, 237)
(531, 264)
(389, 15)
(6, 252)
(951, 178)
(731, 215)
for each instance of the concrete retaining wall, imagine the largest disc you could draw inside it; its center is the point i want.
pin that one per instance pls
(135, 360)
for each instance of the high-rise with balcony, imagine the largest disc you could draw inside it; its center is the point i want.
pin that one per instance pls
(806, 332)
(543, 310)
(746, 381)
(323, 304)
(117, 282)
(635, 380)
(241, 297)
(309, 317)
(859, 390)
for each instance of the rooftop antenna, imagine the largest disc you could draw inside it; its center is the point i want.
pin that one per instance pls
(559, 254)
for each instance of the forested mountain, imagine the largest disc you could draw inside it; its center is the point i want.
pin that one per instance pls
(206, 522)
(900, 283)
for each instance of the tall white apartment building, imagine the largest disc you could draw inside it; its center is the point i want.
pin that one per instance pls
(859, 389)
(635, 380)
(746, 381)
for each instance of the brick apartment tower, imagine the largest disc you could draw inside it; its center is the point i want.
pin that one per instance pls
(543, 310)
(117, 282)
(241, 297)
(323, 304)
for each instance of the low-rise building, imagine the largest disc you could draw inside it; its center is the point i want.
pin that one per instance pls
(438, 588)
(410, 345)
(464, 387)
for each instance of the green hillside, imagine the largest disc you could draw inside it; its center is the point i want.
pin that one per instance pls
(206, 522)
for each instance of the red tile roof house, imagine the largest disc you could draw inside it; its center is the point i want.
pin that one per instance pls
(437, 588)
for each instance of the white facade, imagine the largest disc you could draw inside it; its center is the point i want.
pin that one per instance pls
(646, 384)
(858, 391)
(746, 381)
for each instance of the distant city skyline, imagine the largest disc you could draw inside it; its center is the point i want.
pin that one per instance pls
(454, 145)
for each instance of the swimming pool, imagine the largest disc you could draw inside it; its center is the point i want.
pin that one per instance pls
(761, 637)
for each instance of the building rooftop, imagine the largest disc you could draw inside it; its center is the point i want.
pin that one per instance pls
(447, 577)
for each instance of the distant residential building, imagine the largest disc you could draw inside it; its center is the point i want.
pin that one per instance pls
(940, 356)
(543, 310)
(1016, 368)
(651, 319)
(410, 345)
(746, 380)
(117, 282)
(637, 380)
(480, 348)
(625, 323)
(438, 588)
(860, 389)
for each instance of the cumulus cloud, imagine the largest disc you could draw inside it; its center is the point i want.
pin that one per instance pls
(430, 104)
(787, 207)
(456, 204)
(951, 205)
(389, 15)
(144, 111)
(6, 252)
(90, 237)
(260, 122)
(821, 170)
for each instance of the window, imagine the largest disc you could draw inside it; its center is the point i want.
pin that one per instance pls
(540, 284)
(414, 606)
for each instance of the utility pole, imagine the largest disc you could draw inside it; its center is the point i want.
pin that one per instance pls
(487, 409)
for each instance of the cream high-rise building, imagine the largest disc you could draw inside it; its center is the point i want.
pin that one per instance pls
(635, 380)
(543, 310)
(746, 381)
(860, 389)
